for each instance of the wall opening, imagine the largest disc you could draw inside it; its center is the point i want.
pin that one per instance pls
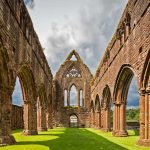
(73, 96)
(17, 97)
(81, 98)
(132, 108)
(17, 107)
(73, 121)
(65, 97)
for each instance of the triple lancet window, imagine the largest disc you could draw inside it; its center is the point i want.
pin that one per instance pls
(73, 73)
(73, 97)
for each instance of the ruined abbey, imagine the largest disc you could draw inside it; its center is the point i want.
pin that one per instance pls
(47, 98)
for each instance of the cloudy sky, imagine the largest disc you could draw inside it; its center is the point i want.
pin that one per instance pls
(84, 25)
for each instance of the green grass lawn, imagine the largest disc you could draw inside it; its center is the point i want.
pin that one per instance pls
(74, 139)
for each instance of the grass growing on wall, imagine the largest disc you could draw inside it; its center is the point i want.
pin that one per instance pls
(74, 139)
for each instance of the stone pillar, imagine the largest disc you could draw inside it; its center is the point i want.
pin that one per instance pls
(68, 98)
(122, 130)
(127, 29)
(114, 118)
(116, 124)
(118, 37)
(98, 119)
(122, 36)
(42, 124)
(5, 116)
(49, 117)
(119, 128)
(78, 98)
(30, 118)
(41, 117)
(84, 95)
(34, 117)
(107, 127)
(144, 117)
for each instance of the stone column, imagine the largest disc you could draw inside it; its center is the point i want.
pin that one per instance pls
(68, 98)
(78, 98)
(5, 116)
(114, 118)
(107, 127)
(144, 117)
(98, 119)
(116, 124)
(30, 118)
(49, 118)
(122, 130)
(118, 37)
(84, 95)
(127, 29)
(41, 117)
(34, 117)
(119, 118)
(122, 36)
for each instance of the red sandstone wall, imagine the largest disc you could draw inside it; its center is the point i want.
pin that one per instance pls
(17, 117)
(131, 51)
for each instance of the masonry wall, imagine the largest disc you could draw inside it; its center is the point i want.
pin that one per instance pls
(17, 117)
(62, 113)
(22, 56)
(126, 48)
(127, 56)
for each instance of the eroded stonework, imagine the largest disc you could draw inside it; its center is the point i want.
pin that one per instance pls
(127, 55)
(73, 72)
(22, 56)
(48, 101)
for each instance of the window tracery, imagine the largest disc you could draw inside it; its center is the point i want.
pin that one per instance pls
(73, 72)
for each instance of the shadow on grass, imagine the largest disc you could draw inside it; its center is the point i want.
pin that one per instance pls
(135, 133)
(75, 139)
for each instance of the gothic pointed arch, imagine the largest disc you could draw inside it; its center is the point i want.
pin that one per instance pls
(73, 54)
(121, 89)
(73, 72)
(122, 83)
(145, 77)
(144, 103)
(92, 114)
(6, 91)
(42, 108)
(97, 112)
(105, 108)
(27, 82)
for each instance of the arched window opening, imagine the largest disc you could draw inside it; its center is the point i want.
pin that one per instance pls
(73, 72)
(73, 96)
(65, 97)
(106, 109)
(73, 121)
(132, 111)
(73, 58)
(17, 107)
(17, 97)
(81, 98)
(127, 97)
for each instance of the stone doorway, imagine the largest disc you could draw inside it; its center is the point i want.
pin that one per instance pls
(73, 121)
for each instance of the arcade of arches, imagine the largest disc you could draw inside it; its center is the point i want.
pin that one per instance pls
(73, 97)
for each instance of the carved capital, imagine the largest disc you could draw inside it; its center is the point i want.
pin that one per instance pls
(148, 90)
(117, 103)
(26, 102)
(142, 91)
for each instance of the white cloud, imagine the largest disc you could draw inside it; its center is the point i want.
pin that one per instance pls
(84, 25)
(89, 33)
